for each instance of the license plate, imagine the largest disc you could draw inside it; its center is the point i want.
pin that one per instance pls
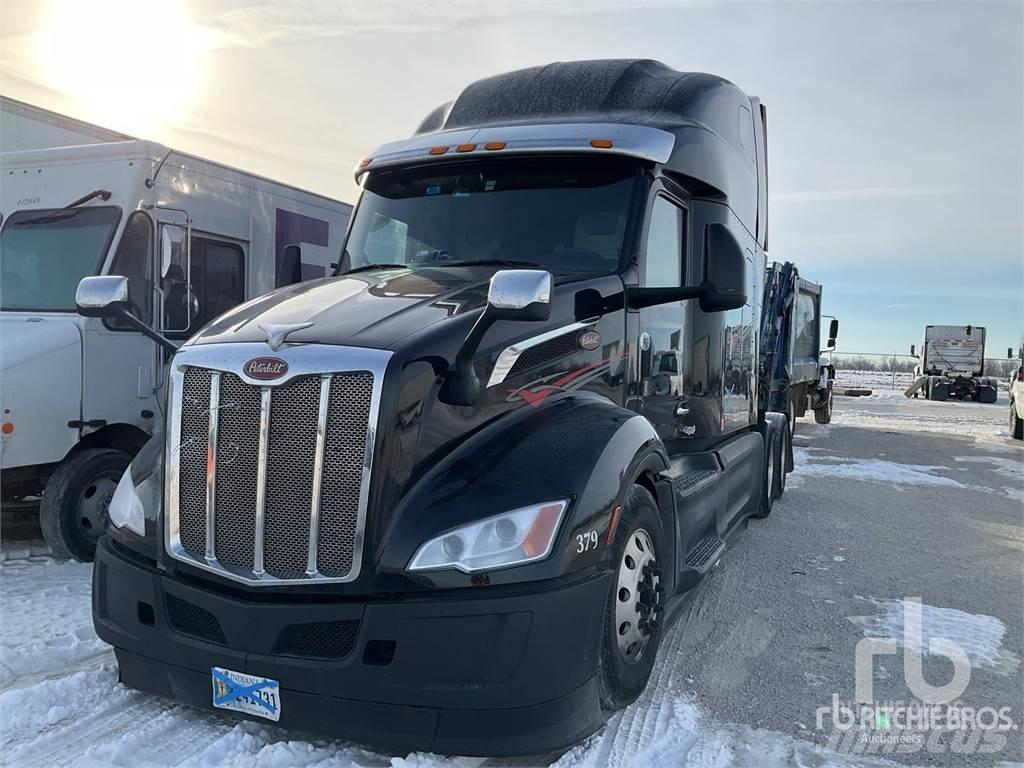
(250, 694)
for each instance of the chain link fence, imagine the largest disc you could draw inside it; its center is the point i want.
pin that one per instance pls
(897, 371)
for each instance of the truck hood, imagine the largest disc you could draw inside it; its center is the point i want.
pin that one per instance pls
(368, 309)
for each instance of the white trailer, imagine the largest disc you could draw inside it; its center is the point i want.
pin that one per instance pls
(951, 364)
(79, 396)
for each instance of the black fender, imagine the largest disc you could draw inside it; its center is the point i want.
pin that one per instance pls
(580, 447)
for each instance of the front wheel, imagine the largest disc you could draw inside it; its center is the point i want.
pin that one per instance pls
(73, 513)
(635, 607)
(781, 462)
(1016, 423)
(823, 414)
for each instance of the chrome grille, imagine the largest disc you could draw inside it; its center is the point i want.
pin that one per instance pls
(268, 482)
(195, 425)
(348, 409)
(238, 435)
(293, 419)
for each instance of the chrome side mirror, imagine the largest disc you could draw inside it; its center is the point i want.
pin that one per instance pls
(97, 296)
(514, 294)
(107, 296)
(520, 294)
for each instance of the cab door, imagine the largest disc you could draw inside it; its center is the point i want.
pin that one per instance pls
(120, 366)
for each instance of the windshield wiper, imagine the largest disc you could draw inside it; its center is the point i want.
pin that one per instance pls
(483, 263)
(368, 267)
(67, 211)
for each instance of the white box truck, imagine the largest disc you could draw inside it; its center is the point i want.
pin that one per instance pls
(951, 364)
(79, 396)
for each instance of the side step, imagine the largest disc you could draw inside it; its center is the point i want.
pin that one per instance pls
(705, 554)
(691, 481)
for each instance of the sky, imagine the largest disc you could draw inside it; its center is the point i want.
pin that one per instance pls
(896, 157)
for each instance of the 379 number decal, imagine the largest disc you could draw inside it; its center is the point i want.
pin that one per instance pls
(586, 541)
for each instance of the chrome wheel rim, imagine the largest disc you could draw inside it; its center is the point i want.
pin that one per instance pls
(94, 505)
(637, 596)
(773, 470)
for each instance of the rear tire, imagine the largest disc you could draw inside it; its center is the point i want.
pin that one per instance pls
(987, 394)
(938, 389)
(73, 513)
(634, 611)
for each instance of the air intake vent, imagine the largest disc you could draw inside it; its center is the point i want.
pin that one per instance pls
(322, 639)
(546, 352)
(190, 619)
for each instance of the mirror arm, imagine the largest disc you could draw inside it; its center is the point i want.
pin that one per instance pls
(141, 327)
(462, 385)
(639, 298)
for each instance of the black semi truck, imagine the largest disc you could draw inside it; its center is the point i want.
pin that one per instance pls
(450, 498)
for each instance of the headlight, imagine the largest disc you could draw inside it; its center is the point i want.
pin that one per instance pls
(511, 538)
(126, 510)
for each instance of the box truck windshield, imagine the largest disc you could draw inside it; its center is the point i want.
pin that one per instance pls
(564, 215)
(45, 253)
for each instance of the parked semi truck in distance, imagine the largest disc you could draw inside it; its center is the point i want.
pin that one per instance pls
(81, 395)
(951, 364)
(794, 375)
(451, 498)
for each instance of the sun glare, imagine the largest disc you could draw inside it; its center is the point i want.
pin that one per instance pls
(131, 65)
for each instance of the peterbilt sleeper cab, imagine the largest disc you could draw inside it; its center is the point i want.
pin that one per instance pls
(450, 498)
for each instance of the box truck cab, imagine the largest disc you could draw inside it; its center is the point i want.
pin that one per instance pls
(450, 498)
(81, 395)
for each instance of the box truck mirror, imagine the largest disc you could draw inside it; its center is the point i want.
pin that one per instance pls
(912, 352)
(514, 294)
(725, 281)
(107, 296)
(833, 330)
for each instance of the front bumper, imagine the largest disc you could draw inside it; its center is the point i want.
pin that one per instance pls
(473, 675)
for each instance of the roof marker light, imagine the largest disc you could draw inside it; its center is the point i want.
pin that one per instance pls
(438, 150)
(365, 162)
(490, 146)
(601, 143)
(465, 147)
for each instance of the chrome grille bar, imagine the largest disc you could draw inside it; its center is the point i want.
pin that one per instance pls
(211, 466)
(318, 473)
(261, 481)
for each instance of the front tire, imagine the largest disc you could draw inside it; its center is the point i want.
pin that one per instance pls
(1016, 423)
(823, 415)
(73, 513)
(634, 611)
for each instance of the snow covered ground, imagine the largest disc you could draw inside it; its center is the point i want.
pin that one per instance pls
(61, 703)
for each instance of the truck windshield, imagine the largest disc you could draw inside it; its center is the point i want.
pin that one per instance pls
(45, 253)
(560, 214)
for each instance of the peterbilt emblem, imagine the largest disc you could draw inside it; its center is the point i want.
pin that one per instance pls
(265, 368)
(589, 340)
